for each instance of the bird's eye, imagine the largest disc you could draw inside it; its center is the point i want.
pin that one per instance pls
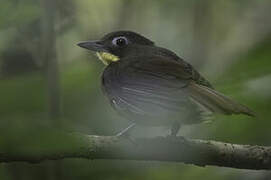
(120, 41)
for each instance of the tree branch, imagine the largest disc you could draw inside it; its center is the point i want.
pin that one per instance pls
(191, 151)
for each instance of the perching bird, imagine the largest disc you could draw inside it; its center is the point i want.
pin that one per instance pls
(150, 85)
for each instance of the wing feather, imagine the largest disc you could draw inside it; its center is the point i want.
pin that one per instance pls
(155, 87)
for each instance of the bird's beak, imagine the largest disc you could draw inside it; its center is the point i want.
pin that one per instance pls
(96, 46)
(101, 51)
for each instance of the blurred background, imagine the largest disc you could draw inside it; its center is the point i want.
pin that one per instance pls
(46, 81)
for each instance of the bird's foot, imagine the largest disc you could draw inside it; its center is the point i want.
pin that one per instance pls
(177, 138)
(175, 129)
(125, 133)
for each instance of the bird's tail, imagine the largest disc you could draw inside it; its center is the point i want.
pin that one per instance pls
(216, 102)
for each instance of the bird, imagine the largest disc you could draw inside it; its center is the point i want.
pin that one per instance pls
(152, 86)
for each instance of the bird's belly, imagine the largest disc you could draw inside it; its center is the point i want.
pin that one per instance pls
(146, 113)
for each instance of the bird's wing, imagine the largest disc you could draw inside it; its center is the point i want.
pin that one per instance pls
(187, 68)
(196, 76)
(155, 86)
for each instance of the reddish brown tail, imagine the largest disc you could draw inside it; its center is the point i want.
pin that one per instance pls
(217, 102)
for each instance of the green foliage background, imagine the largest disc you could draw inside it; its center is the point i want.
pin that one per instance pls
(228, 41)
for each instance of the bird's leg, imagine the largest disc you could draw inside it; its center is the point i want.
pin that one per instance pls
(175, 129)
(125, 131)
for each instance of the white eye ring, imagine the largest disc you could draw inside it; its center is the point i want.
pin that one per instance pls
(120, 41)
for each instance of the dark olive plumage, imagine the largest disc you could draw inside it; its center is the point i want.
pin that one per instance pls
(151, 85)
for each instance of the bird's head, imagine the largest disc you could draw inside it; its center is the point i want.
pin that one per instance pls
(116, 45)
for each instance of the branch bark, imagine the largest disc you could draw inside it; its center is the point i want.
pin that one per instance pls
(190, 151)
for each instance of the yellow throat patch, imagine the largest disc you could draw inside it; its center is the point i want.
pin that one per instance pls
(106, 57)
